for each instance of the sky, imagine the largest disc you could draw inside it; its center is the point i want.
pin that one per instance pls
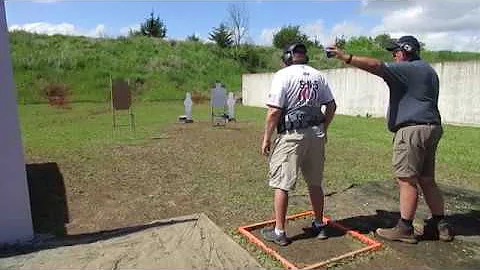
(440, 24)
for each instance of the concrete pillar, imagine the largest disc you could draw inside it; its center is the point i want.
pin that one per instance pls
(15, 214)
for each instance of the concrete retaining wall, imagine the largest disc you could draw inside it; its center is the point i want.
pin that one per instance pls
(360, 93)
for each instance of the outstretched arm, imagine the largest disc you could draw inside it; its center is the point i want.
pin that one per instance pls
(368, 64)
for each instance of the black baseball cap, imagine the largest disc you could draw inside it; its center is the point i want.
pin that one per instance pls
(397, 44)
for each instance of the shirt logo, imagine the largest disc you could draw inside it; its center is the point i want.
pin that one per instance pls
(308, 90)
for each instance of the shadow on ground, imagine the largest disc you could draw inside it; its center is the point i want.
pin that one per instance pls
(464, 224)
(50, 214)
(48, 202)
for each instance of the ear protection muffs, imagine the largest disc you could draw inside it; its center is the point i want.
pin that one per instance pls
(287, 56)
(406, 47)
(412, 53)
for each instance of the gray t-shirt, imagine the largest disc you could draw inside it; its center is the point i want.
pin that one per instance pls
(413, 93)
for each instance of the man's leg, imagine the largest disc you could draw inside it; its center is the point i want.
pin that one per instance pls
(406, 160)
(436, 227)
(281, 204)
(317, 200)
(404, 231)
(277, 234)
(408, 198)
(283, 175)
(433, 196)
(312, 169)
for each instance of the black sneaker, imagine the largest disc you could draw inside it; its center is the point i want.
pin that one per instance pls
(268, 233)
(320, 232)
(445, 231)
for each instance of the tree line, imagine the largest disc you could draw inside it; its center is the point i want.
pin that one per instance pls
(234, 32)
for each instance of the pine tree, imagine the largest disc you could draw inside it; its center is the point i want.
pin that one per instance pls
(153, 27)
(222, 36)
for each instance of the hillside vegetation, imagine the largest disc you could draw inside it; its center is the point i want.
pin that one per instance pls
(158, 69)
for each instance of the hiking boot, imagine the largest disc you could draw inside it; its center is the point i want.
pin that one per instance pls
(401, 232)
(437, 229)
(268, 233)
(320, 231)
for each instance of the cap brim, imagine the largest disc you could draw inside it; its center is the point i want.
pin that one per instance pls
(392, 45)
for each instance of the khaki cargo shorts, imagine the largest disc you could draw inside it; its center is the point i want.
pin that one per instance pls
(294, 152)
(414, 149)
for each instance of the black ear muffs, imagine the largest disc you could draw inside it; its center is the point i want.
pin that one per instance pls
(287, 56)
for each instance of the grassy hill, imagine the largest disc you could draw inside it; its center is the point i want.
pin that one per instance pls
(158, 69)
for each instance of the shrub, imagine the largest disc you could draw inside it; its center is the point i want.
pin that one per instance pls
(57, 95)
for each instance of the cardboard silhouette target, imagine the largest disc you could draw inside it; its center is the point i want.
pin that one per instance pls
(218, 104)
(121, 98)
(231, 106)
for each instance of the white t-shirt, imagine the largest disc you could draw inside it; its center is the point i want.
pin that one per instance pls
(297, 86)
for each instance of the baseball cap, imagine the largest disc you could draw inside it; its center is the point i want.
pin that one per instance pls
(396, 44)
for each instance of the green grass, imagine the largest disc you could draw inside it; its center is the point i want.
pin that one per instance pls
(89, 125)
(359, 148)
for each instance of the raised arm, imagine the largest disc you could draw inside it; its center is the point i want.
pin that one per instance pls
(368, 64)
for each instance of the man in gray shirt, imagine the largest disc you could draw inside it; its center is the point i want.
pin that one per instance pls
(414, 117)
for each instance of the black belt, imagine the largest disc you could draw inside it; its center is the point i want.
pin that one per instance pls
(291, 128)
(402, 125)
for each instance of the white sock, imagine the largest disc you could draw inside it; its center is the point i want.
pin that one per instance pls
(278, 231)
(318, 224)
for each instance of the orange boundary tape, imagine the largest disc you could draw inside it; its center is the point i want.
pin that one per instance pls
(372, 244)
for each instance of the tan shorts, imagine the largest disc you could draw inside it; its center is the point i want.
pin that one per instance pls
(414, 149)
(292, 152)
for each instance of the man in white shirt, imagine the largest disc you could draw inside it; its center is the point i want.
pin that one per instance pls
(295, 102)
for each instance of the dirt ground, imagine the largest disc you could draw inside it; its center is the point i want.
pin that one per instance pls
(171, 176)
(306, 250)
(183, 170)
(372, 205)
